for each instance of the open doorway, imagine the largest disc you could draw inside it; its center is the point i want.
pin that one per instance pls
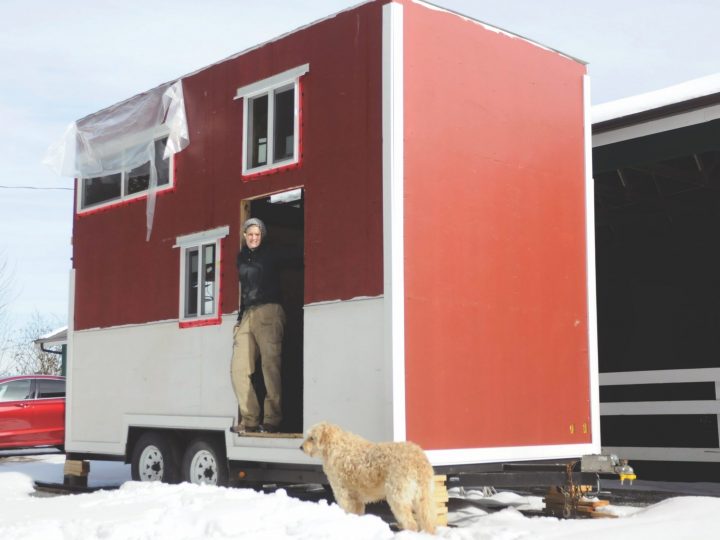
(284, 217)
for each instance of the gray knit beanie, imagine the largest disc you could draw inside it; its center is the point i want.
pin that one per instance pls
(255, 221)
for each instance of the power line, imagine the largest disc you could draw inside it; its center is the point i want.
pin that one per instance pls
(35, 187)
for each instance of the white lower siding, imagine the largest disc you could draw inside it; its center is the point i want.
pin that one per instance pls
(159, 375)
(152, 370)
(348, 380)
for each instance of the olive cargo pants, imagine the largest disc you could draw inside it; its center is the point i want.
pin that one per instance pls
(260, 330)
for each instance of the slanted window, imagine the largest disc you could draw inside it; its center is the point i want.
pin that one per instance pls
(112, 188)
(200, 277)
(271, 128)
(50, 388)
(15, 390)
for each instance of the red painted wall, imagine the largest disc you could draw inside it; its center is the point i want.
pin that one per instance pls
(496, 305)
(122, 279)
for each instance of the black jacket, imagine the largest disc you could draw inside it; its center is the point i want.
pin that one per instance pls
(259, 273)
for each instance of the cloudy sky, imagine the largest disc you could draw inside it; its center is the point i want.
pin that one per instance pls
(61, 60)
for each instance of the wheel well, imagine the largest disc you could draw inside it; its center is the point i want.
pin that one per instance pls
(181, 437)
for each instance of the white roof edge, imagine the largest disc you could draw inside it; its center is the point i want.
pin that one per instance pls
(678, 93)
(328, 17)
(57, 335)
(499, 30)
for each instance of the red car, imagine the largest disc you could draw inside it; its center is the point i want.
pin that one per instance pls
(32, 411)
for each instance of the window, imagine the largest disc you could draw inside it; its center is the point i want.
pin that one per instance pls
(50, 388)
(199, 276)
(271, 121)
(112, 188)
(15, 390)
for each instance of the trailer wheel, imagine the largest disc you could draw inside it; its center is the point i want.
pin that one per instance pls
(204, 463)
(154, 459)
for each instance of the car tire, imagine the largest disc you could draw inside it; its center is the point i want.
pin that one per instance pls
(154, 459)
(204, 463)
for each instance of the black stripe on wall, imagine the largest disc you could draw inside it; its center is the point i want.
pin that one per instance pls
(660, 430)
(657, 392)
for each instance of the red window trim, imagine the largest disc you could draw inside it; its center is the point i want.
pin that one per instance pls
(118, 204)
(102, 207)
(215, 320)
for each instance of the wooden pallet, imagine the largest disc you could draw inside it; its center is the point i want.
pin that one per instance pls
(576, 503)
(76, 467)
(75, 473)
(441, 497)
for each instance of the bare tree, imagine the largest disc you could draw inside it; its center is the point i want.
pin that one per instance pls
(6, 288)
(27, 357)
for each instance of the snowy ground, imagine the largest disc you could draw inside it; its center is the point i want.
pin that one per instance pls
(158, 511)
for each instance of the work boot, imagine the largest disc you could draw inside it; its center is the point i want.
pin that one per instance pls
(241, 428)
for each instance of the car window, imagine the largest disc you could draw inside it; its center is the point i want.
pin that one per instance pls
(50, 388)
(15, 390)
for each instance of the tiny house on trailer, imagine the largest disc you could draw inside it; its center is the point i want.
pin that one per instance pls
(434, 168)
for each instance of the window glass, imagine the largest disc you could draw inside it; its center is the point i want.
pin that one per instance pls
(163, 165)
(191, 282)
(200, 276)
(50, 388)
(108, 188)
(257, 139)
(15, 390)
(208, 303)
(284, 134)
(138, 179)
(101, 189)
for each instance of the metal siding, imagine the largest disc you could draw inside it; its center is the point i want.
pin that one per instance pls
(495, 252)
(121, 279)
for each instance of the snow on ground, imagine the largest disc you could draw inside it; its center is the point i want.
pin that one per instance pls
(152, 511)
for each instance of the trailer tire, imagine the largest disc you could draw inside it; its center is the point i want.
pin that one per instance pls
(204, 463)
(154, 458)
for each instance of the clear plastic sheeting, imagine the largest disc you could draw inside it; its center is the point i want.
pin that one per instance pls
(122, 138)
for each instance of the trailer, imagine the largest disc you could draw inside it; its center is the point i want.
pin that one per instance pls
(656, 175)
(435, 170)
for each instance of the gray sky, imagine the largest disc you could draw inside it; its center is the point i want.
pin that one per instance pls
(61, 60)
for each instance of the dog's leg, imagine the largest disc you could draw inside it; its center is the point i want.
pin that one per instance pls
(402, 510)
(424, 507)
(357, 507)
(348, 502)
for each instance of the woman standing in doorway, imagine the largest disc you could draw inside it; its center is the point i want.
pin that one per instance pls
(260, 328)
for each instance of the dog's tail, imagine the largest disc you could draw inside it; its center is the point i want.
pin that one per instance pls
(425, 511)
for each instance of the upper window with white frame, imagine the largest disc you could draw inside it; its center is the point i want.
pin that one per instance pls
(271, 125)
(128, 184)
(200, 276)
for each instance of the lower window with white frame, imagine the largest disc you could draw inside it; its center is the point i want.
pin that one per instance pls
(200, 276)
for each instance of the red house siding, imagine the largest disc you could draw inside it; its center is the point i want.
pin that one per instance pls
(496, 319)
(122, 279)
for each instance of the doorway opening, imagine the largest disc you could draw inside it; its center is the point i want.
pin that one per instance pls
(284, 216)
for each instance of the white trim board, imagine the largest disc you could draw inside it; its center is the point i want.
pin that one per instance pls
(509, 453)
(660, 376)
(643, 453)
(660, 407)
(669, 123)
(393, 188)
(202, 237)
(280, 79)
(593, 367)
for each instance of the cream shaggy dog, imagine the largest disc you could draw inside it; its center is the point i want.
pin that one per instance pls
(361, 472)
